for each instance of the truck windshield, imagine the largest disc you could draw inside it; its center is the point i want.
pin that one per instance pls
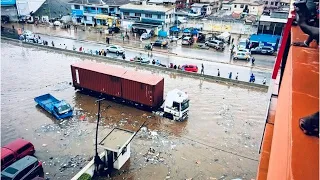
(63, 108)
(184, 105)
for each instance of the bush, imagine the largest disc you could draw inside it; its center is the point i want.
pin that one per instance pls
(85, 176)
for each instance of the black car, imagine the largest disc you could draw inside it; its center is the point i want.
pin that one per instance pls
(161, 43)
(262, 50)
(5, 18)
(114, 29)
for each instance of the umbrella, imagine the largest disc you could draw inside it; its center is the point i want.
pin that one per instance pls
(186, 31)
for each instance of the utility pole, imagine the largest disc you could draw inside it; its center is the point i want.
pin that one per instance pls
(97, 160)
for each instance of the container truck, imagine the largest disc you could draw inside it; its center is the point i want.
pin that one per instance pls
(60, 109)
(131, 87)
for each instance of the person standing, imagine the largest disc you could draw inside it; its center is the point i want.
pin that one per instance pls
(237, 76)
(230, 75)
(264, 81)
(107, 40)
(218, 73)
(252, 60)
(12, 26)
(202, 69)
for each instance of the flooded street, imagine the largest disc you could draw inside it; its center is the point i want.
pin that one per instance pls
(219, 140)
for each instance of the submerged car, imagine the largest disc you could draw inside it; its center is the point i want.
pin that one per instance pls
(24, 169)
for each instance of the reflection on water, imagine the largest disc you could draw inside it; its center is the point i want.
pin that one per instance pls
(221, 116)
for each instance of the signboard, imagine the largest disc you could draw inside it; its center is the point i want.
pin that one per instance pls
(8, 2)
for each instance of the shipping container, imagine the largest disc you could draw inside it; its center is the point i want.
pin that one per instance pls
(97, 77)
(146, 89)
(131, 86)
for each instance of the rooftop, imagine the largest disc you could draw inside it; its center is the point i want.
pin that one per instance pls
(249, 2)
(149, 79)
(155, 8)
(101, 2)
(116, 139)
(265, 18)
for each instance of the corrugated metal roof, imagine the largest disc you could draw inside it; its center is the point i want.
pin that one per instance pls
(101, 68)
(149, 79)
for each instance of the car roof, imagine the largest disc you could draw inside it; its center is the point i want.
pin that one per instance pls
(18, 166)
(5, 152)
(16, 144)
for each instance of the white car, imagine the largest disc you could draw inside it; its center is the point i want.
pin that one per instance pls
(57, 23)
(115, 49)
(28, 34)
(241, 55)
(247, 51)
(145, 36)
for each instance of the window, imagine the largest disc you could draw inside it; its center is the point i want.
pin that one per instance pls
(137, 14)
(8, 158)
(241, 6)
(148, 15)
(159, 16)
(235, 6)
(169, 15)
(76, 6)
(271, 3)
(176, 106)
(126, 13)
(85, 18)
(276, 3)
(24, 148)
(166, 16)
(266, 2)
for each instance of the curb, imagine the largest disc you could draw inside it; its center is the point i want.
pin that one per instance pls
(194, 75)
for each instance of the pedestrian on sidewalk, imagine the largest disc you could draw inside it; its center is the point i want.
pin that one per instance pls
(97, 52)
(122, 38)
(39, 37)
(202, 69)
(52, 43)
(123, 56)
(252, 60)
(80, 49)
(264, 81)
(230, 75)
(175, 66)
(12, 26)
(237, 76)
(252, 78)
(73, 47)
(232, 40)
(105, 53)
(218, 73)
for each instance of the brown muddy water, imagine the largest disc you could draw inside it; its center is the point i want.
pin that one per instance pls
(220, 139)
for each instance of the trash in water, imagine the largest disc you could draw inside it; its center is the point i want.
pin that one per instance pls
(44, 145)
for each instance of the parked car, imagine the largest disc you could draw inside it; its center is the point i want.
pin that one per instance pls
(114, 29)
(190, 68)
(216, 44)
(28, 34)
(140, 59)
(202, 46)
(24, 169)
(57, 23)
(15, 150)
(247, 51)
(263, 50)
(187, 41)
(116, 49)
(161, 43)
(241, 55)
(145, 36)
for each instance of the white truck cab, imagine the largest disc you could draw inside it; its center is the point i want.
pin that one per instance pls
(176, 105)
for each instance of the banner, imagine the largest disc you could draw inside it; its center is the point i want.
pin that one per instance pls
(8, 2)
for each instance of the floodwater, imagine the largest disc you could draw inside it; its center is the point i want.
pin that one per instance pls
(219, 140)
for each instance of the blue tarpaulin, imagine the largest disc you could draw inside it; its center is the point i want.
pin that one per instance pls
(266, 39)
(195, 32)
(162, 33)
(174, 29)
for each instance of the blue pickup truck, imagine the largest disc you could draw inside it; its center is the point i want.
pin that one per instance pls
(59, 109)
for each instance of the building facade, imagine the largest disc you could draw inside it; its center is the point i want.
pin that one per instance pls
(247, 6)
(96, 12)
(272, 4)
(156, 14)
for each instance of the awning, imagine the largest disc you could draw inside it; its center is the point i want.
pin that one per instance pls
(194, 32)
(162, 33)
(104, 17)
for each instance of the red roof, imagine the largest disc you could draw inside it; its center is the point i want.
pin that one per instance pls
(16, 144)
(149, 79)
(101, 68)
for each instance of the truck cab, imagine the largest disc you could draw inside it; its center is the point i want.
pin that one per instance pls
(176, 105)
(62, 109)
